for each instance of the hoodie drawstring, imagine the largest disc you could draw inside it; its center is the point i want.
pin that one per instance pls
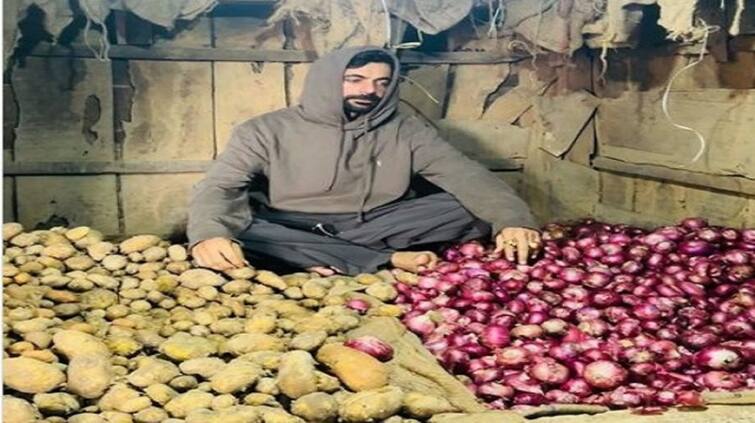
(370, 169)
(339, 156)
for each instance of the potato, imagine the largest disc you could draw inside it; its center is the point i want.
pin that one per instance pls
(357, 370)
(371, 405)
(424, 406)
(296, 374)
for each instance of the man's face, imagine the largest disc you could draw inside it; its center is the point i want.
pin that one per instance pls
(364, 87)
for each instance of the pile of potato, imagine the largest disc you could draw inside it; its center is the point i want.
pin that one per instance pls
(96, 331)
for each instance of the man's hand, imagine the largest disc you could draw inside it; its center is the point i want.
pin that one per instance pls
(525, 242)
(218, 254)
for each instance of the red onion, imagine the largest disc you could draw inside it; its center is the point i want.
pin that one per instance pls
(536, 318)
(637, 355)
(472, 249)
(735, 257)
(628, 327)
(554, 326)
(495, 390)
(665, 397)
(484, 375)
(358, 305)
(564, 352)
(572, 274)
(495, 336)
(595, 327)
(577, 387)
(455, 360)
(719, 358)
(694, 223)
(561, 313)
(643, 369)
(696, 248)
(605, 298)
(522, 382)
(739, 329)
(512, 357)
(740, 273)
(624, 398)
(527, 331)
(722, 380)
(604, 374)
(421, 325)
(549, 372)
(575, 293)
(561, 397)
(594, 354)
(665, 349)
(690, 399)
(646, 312)
(529, 399)
(615, 314)
(371, 345)
(698, 340)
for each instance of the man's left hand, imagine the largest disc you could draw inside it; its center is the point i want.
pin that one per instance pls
(520, 243)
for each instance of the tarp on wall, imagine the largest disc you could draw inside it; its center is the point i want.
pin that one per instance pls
(59, 14)
(557, 25)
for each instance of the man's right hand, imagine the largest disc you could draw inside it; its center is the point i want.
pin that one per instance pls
(218, 254)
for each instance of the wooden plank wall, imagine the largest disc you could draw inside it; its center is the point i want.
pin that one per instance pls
(118, 145)
(130, 137)
(628, 163)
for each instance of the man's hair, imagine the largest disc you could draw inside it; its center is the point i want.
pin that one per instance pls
(370, 56)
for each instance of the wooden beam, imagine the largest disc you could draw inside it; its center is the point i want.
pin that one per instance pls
(178, 53)
(99, 167)
(247, 2)
(250, 55)
(152, 167)
(733, 184)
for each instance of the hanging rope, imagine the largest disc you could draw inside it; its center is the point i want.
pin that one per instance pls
(98, 19)
(736, 23)
(664, 102)
(388, 33)
(421, 88)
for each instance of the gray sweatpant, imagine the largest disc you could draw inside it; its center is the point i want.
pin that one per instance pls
(342, 241)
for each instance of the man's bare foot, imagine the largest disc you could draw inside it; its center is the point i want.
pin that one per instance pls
(322, 270)
(414, 261)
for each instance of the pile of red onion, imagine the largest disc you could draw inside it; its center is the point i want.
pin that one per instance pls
(609, 315)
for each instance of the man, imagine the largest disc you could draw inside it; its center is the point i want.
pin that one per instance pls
(335, 174)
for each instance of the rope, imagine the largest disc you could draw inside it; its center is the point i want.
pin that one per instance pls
(421, 88)
(104, 51)
(388, 31)
(664, 102)
(736, 23)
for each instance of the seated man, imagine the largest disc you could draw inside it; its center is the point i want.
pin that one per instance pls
(336, 172)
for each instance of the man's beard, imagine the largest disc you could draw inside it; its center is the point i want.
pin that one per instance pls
(356, 109)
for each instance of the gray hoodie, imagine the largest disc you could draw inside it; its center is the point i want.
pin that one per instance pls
(317, 161)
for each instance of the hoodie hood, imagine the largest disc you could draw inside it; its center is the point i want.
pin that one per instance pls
(322, 97)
